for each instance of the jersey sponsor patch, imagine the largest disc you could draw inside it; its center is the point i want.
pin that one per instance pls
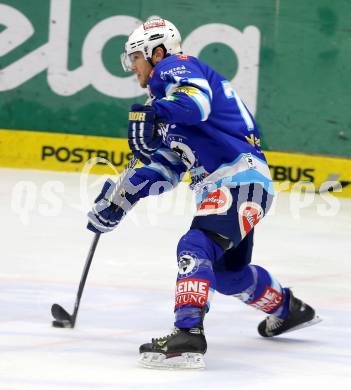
(192, 292)
(228, 89)
(269, 301)
(198, 175)
(190, 91)
(175, 71)
(249, 161)
(154, 23)
(253, 140)
(184, 152)
(182, 57)
(216, 202)
(250, 213)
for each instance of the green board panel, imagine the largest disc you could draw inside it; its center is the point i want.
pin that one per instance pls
(66, 77)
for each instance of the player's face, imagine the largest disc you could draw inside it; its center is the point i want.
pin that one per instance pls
(141, 68)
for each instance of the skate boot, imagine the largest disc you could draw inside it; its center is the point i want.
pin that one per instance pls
(300, 315)
(183, 348)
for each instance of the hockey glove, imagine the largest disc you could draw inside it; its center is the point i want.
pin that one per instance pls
(143, 137)
(106, 215)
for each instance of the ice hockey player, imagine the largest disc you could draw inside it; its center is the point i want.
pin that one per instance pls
(196, 122)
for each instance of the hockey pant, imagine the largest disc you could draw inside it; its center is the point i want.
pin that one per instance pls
(215, 255)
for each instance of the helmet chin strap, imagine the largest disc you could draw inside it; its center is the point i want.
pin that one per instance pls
(149, 60)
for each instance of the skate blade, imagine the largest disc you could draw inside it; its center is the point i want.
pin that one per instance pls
(161, 361)
(315, 320)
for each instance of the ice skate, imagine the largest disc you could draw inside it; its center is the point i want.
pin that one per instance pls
(300, 315)
(182, 349)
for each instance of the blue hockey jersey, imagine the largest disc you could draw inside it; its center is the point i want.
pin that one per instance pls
(208, 130)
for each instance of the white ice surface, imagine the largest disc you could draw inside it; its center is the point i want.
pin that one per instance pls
(129, 293)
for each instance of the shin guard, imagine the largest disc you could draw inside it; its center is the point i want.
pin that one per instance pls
(196, 253)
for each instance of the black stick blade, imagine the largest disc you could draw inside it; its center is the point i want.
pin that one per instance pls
(62, 318)
(59, 313)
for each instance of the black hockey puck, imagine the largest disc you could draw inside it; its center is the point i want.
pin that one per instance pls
(61, 324)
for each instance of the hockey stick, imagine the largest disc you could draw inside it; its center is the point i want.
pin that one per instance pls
(62, 318)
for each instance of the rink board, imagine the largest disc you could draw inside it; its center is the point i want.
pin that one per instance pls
(75, 153)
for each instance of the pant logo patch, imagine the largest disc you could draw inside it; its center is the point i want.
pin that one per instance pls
(188, 264)
(269, 301)
(216, 202)
(192, 292)
(250, 213)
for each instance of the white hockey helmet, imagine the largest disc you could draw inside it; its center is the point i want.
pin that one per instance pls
(145, 38)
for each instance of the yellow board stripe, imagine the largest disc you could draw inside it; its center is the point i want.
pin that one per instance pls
(321, 171)
(60, 152)
(69, 153)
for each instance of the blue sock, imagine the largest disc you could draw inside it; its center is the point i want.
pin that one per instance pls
(256, 287)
